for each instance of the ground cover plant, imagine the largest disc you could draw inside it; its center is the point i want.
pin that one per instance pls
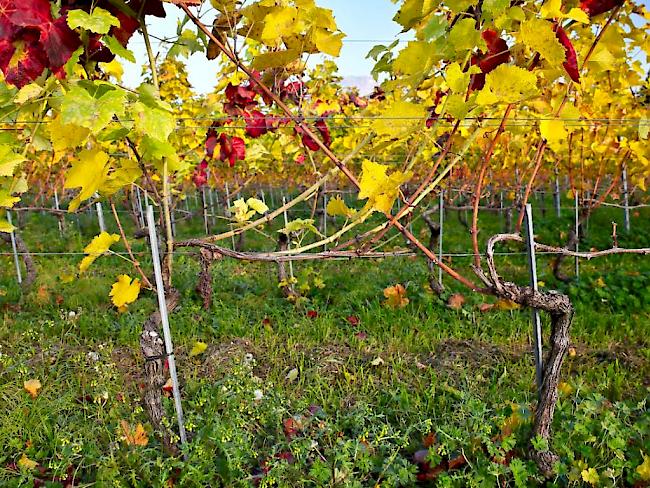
(317, 343)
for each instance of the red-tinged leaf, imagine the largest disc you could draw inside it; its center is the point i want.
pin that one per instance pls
(324, 131)
(291, 426)
(497, 54)
(97, 51)
(232, 149)
(151, 7)
(293, 91)
(571, 63)
(256, 124)
(32, 13)
(300, 159)
(353, 320)
(22, 61)
(7, 28)
(199, 178)
(128, 26)
(597, 7)
(362, 336)
(211, 142)
(240, 96)
(59, 42)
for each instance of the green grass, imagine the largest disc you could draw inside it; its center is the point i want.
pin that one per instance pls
(356, 420)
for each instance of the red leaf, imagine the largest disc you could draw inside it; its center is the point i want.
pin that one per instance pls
(353, 320)
(240, 96)
(232, 149)
(210, 143)
(571, 63)
(597, 7)
(300, 159)
(128, 26)
(312, 314)
(324, 131)
(256, 124)
(22, 61)
(498, 53)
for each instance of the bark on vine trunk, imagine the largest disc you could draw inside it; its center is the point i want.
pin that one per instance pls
(153, 350)
(204, 285)
(434, 229)
(561, 311)
(28, 261)
(289, 290)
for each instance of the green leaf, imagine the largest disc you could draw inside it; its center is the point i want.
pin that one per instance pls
(99, 20)
(117, 48)
(464, 36)
(80, 108)
(153, 122)
(300, 224)
(9, 160)
(436, 28)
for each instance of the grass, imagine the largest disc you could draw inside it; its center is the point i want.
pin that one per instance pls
(366, 396)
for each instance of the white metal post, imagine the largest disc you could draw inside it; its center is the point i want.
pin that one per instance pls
(57, 207)
(537, 323)
(164, 319)
(100, 217)
(626, 200)
(19, 275)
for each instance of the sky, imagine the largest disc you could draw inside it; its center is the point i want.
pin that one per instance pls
(365, 22)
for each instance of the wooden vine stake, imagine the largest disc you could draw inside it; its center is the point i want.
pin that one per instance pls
(537, 323)
(164, 319)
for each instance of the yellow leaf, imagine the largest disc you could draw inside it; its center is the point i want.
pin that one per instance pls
(396, 296)
(399, 119)
(124, 291)
(280, 22)
(198, 348)
(6, 226)
(643, 469)
(336, 206)
(134, 437)
(328, 42)
(258, 205)
(538, 35)
(27, 464)
(66, 136)
(590, 476)
(554, 132)
(380, 189)
(98, 246)
(32, 387)
(578, 15)
(88, 173)
(507, 84)
(551, 9)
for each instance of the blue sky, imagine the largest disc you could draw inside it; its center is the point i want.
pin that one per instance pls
(365, 22)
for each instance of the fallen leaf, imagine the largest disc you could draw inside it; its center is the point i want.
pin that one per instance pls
(378, 361)
(198, 348)
(572, 352)
(456, 301)
(32, 387)
(507, 305)
(396, 296)
(353, 320)
(292, 375)
(25, 463)
(168, 386)
(486, 307)
(134, 437)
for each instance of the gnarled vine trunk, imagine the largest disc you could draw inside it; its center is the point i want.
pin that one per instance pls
(153, 350)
